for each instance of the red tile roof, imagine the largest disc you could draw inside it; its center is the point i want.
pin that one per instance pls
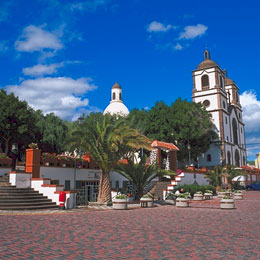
(164, 145)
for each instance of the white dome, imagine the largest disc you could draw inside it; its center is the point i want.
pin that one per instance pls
(117, 108)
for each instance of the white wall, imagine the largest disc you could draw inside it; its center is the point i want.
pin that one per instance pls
(62, 174)
(189, 179)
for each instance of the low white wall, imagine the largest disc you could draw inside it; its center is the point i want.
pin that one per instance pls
(62, 174)
(52, 191)
(20, 180)
(189, 179)
(3, 171)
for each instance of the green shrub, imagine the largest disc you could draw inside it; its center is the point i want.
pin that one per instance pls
(147, 196)
(121, 196)
(193, 188)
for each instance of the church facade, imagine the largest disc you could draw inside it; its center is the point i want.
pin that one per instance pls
(220, 96)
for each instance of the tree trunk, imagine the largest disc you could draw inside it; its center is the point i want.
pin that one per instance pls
(104, 193)
(6, 146)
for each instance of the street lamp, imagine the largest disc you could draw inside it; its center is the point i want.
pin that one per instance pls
(189, 153)
(80, 122)
(14, 155)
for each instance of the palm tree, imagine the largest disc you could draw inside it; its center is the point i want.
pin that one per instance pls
(107, 139)
(139, 174)
(231, 172)
(215, 176)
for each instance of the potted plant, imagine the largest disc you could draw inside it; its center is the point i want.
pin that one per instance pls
(238, 195)
(33, 146)
(120, 201)
(146, 201)
(222, 193)
(170, 198)
(208, 195)
(227, 202)
(198, 195)
(182, 200)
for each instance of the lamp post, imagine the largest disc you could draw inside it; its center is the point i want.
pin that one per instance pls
(80, 121)
(189, 153)
(14, 155)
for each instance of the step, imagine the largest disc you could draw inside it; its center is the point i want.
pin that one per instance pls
(4, 194)
(15, 200)
(30, 207)
(29, 203)
(22, 197)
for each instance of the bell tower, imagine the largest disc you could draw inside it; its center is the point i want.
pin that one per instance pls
(209, 90)
(220, 96)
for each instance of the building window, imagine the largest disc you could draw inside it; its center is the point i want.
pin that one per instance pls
(237, 159)
(117, 184)
(221, 82)
(227, 138)
(114, 95)
(226, 120)
(237, 97)
(206, 103)
(67, 185)
(241, 130)
(228, 158)
(205, 82)
(209, 158)
(120, 96)
(234, 125)
(224, 104)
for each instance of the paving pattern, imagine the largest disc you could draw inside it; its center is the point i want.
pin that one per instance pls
(161, 233)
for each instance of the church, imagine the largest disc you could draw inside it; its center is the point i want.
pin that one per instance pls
(220, 96)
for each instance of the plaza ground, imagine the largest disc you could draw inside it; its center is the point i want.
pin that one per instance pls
(202, 231)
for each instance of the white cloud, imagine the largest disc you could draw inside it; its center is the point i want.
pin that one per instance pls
(251, 117)
(193, 31)
(60, 95)
(36, 39)
(251, 111)
(178, 47)
(158, 27)
(40, 70)
(87, 5)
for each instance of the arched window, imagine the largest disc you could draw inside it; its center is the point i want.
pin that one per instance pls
(234, 125)
(114, 95)
(244, 160)
(228, 158)
(237, 159)
(120, 96)
(205, 82)
(209, 158)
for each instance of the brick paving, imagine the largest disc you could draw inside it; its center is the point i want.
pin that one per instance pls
(163, 232)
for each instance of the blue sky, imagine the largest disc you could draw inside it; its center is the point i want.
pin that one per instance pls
(64, 56)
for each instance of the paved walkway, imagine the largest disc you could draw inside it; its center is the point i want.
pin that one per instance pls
(163, 232)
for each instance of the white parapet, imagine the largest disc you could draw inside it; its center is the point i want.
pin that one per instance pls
(20, 179)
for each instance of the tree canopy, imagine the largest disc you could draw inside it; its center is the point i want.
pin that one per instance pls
(181, 123)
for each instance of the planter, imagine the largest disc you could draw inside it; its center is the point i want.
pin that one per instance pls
(169, 201)
(119, 203)
(221, 194)
(198, 196)
(238, 196)
(208, 196)
(227, 204)
(181, 202)
(146, 202)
